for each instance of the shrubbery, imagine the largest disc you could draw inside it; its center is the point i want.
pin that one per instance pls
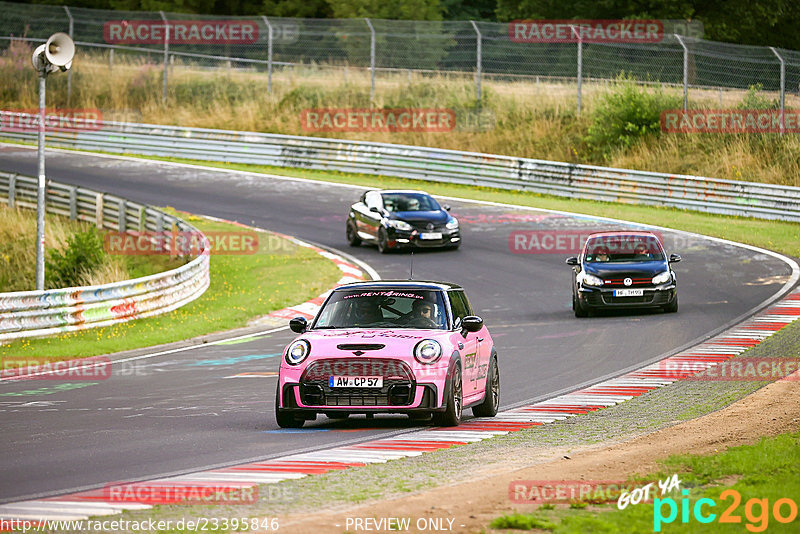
(83, 254)
(626, 114)
(753, 99)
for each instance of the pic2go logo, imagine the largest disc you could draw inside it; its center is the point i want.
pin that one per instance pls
(756, 511)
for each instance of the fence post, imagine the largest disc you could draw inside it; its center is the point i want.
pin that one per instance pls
(98, 211)
(160, 231)
(73, 203)
(12, 189)
(166, 55)
(69, 73)
(122, 212)
(142, 219)
(783, 89)
(580, 65)
(371, 60)
(685, 72)
(479, 53)
(269, 53)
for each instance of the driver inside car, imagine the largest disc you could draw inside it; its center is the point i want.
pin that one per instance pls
(422, 314)
(364, 311)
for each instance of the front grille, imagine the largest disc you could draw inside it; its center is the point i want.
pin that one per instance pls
(638, 279)
(388, 368)
(398, 383)
(656, 298)
(423, 227)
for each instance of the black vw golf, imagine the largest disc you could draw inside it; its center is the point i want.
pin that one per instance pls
(623, 269)
(401, 219)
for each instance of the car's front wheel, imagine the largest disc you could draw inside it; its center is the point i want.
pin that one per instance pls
(383, 241)
(286, 419)
(452, 414)
(672, 307)
(352, 235)
(491, 399)
(577, 307)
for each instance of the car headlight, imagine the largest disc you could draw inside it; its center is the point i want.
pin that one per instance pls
(452, 224)
(399, 225)
(427, 351)
(662, 278)
(590, 279)
(297, 352)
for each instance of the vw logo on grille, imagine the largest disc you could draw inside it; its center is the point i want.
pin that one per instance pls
(627, 281)
(430, 226)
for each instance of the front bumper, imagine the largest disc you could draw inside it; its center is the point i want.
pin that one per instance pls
(653, 297)
(312, 398)
(412, 239)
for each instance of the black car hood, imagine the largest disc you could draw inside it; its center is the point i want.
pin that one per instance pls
(439, 216)
(609, 270)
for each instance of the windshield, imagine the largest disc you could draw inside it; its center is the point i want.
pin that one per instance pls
(409, 202)
(623, 249)
(406, 308)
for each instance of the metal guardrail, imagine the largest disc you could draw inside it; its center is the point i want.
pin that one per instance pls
(747, 199)
(38, 313)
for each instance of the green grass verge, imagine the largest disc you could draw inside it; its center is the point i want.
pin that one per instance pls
(773, 235)
(762, 474)
(242, 287)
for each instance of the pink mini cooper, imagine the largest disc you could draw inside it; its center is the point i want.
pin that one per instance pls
(389, 347)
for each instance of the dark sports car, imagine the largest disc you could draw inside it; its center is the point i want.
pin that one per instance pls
(401, 219)
(623, 270)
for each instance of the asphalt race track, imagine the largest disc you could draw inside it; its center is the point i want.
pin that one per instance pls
(178, 412)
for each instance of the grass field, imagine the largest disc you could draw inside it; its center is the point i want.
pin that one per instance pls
(759, 476)
(617, 127)
(242, 287)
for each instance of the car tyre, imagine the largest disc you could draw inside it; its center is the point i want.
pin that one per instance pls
(452, 414)
(578, 308)
(352, 235)
(491, 401)
(383, 241)
(672, 307)
(286, 419)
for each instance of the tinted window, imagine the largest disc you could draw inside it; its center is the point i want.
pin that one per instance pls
(384, 308)
(623, 249)
(459, 304)
(410, 202)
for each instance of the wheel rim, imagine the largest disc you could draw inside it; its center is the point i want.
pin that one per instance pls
(457, 393)
(495, 385)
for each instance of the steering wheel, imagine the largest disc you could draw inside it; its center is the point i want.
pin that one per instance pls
(423, 322)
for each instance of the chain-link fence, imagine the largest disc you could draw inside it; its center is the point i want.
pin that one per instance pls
(477, 50)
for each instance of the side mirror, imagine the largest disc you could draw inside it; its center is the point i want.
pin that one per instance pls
(472, 323)
(375, 209)
(446, 207)
(674, 258)
(298, 325)
(572, 261)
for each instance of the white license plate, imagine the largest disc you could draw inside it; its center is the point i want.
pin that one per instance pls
(355, 381)
(628, 292)
(430, 235)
